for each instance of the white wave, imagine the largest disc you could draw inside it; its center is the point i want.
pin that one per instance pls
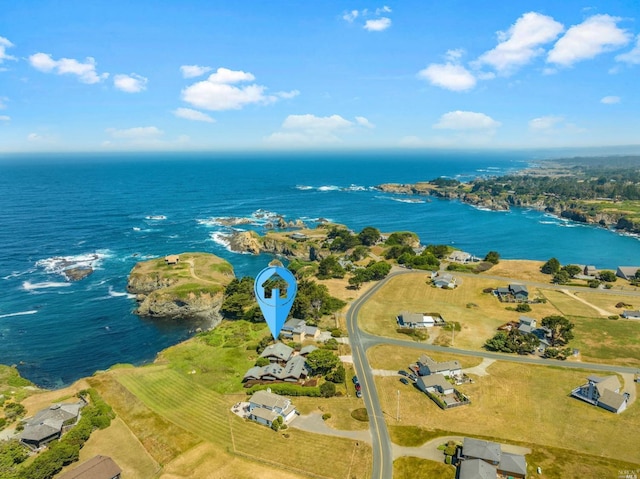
(156, 217)
(21, 313)
(118, 294)
(29, 286)
(548, 222)
(304, 187)
(224, 240)
(58, 264)
(17, 274)
(135, 228)
(329, 188)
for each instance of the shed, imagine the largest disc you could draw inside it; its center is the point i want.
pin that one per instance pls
(172, 259)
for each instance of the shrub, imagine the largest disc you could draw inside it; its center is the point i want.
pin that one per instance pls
(287, 389)
(326, 415)
(336, 333)
(327, 389)
(614, 316)
(447, 459)
(262, 362)
(360, 414)
(450, 450)
(523, 308)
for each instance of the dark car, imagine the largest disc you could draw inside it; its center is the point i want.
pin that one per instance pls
(404, 380)
(413, 377)
(402, 372)
(355, 379)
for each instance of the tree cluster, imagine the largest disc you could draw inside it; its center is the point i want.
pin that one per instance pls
(374, 271)
(513, 342)
(561, 329)
(343, 239)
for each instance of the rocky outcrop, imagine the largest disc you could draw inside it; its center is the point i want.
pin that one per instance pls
(76, 274)
(245, 242)
(250, 242)
(178, 291)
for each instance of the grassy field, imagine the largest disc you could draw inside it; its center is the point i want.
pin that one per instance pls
(205, 414)
(609, 301)
(522, 403)
(569, 306)
(411, 467)
(478, 313)
(523, 270)
(339, 408)
(384, 356)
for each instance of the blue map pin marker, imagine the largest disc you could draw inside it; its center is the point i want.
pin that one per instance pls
(275, 306)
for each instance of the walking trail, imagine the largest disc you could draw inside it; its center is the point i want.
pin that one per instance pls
(602, 312)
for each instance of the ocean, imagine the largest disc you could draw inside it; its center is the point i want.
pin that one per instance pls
(110, 211)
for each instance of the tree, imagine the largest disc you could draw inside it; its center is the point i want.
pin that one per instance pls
(637, 275)
(321, 361)
(561, 329)
(369, 236)
(561, 277)
(337, 375)
(327, 389)
(492, 257)
(277, 423)
(523, 308)
(552, 266)
(329, 267)
(572, 270)
(358, 253)
(608, 276)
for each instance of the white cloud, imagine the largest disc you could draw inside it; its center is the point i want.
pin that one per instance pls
(287, 94)
(522, 42)
(449, 75)
(385, 9)
(596, 35)
(466, 120)
(5, 118)
(130, 83)
(377, 25)
(314, 130)
(137, 133)
(545, 123)
(192, 71)
(351, 16)
(194, 115)
(632, 57)
(610, 100)
(362, 121)
(86, 71)
(217, 92)
(4, 44)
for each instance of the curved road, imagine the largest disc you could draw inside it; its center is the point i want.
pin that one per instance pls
(361, 341)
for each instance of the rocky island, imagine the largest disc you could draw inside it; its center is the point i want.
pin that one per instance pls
(182, 286)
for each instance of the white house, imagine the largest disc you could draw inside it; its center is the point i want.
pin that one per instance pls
(265, 407)
(603, 392)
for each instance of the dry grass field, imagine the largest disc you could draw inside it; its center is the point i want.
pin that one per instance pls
(411, 467)
(523, 270)
(521, 403)
(478, 313)
(340, 409)
(569, 306)
(172, 402)
(384, 356)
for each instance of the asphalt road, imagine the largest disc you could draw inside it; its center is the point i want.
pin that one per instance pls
(361, 341)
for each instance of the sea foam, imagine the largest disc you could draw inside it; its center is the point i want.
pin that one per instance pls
(21, 313)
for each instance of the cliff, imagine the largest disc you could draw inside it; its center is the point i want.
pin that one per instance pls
(280, 244)
(191, 287)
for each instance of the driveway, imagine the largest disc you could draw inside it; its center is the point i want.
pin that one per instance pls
(429, 450)
(313, 423)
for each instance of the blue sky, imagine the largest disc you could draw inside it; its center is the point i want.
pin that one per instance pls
(212, 75)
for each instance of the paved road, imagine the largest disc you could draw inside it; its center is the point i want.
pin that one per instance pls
(380, 441)
(383, 452)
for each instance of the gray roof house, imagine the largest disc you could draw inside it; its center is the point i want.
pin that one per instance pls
(265, 407)
(603, 392)
(629, 314)
(98, 467)
(476, 469)
(292, 371)
(278, 352)
(298, 330)
(427, 366)
(407, 319)
(47, 424)
(627, 272)
(517, 292)
(307, 349)
(445, 281)
(435, 382)
(502, 463)
(526, 325)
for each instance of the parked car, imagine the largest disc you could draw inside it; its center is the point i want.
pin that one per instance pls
(404, 380)
(413, 377)
(358, 387)
(358, 393)
(402, 372)
(354, 379)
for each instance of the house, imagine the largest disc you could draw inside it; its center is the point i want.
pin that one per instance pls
(476, 469)
(434, 383)
(526, 325)
(513, 292)
(277, 353)
(307, 349)
(298, 330)
(265, 407)
(590, 270)
(628, 314)
(299, 237)
(445, 281)
(48, 424)
(427, 366)
(414, 320)
(294, 370)
(172, 259)
(627, 272)
(603, 392)
(98, 467)
(462, 257)
(500, 463)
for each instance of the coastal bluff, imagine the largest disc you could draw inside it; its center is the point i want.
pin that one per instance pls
(181, 286)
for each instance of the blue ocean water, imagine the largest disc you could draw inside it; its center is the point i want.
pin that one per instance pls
(112, 211)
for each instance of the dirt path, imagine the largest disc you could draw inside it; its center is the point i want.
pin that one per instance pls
(575, 296)
(480, 369)
(194, 275)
